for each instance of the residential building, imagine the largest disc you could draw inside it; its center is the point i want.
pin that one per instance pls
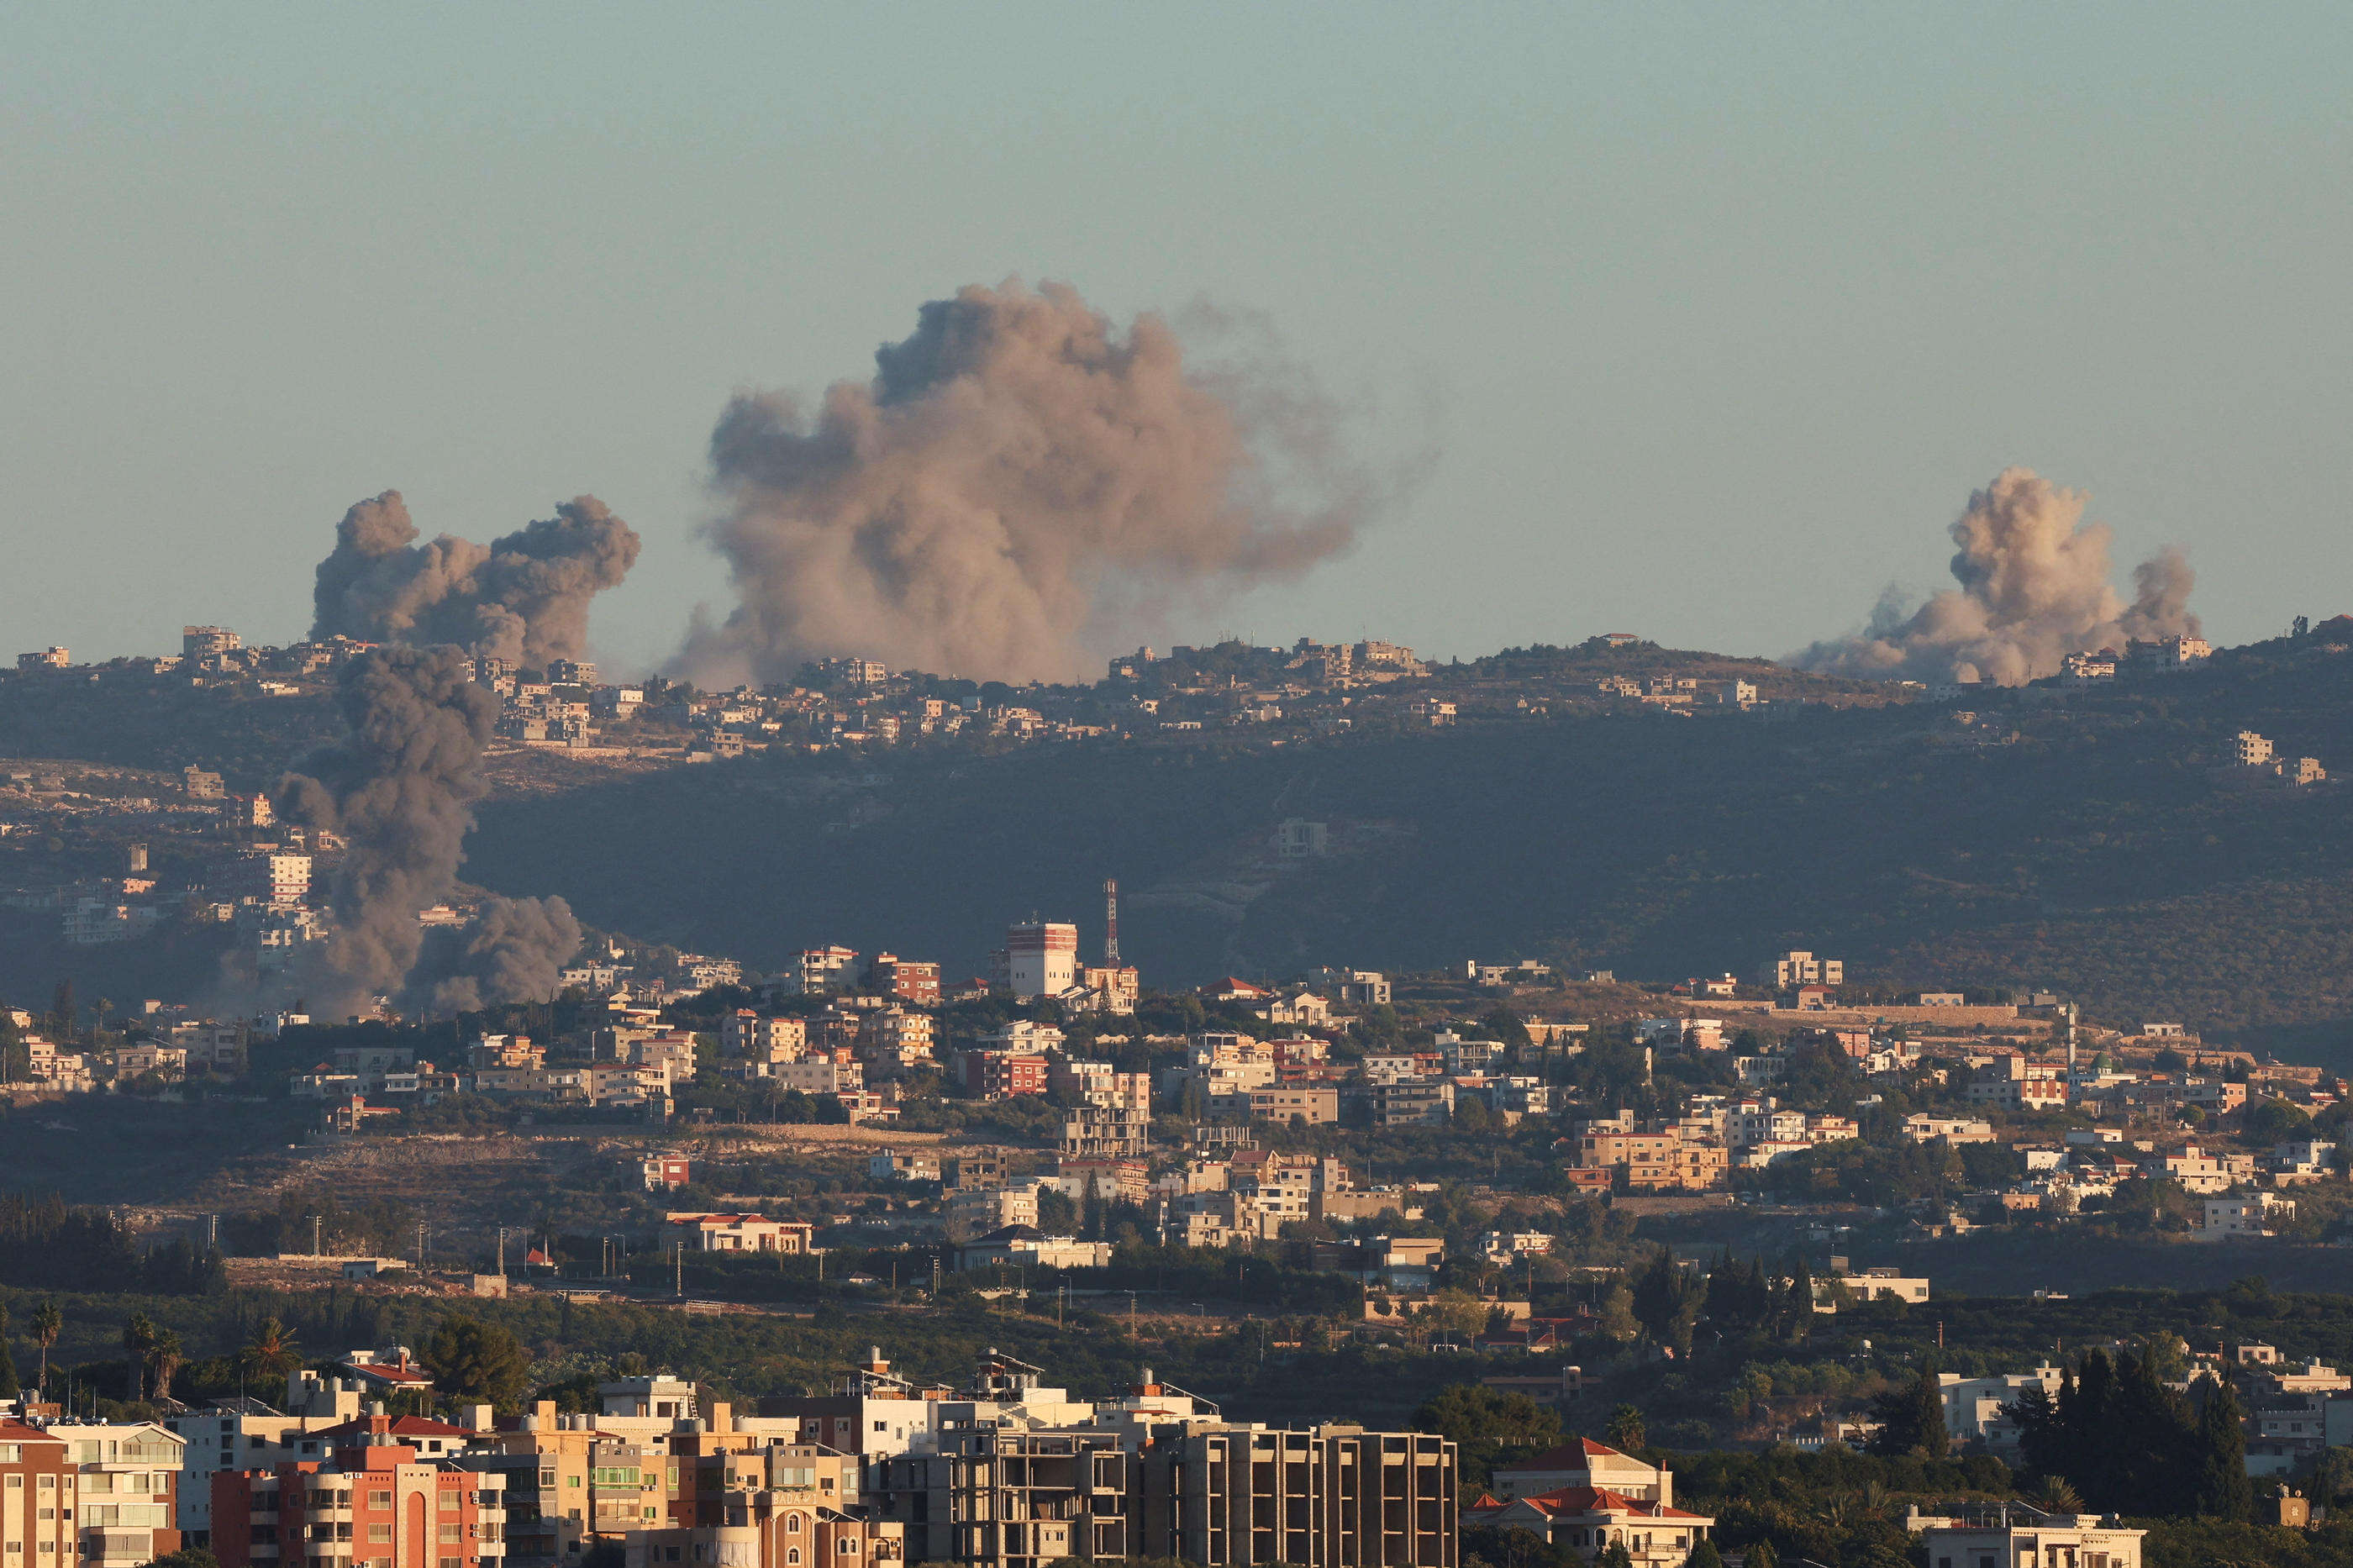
(1300, 1106)
(1419, 1102)
(1584, 1464)
(1024, 1246)
(907, 980)
(660, 1173)
(1871, 1285)
(1795, 968)
(2019, 1083)
(376, 1500)
(1001, 1075)
(123, 1495)
(2251, 1215)
(738, 1233)
(1994, 1537)
(745, 1033)
(39, 1497)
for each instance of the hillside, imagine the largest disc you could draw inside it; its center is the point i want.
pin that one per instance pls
(2090, 840)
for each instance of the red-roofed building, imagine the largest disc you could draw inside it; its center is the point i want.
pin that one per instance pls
(740, 1233)
(1587, 1520)
(1584, 1463)
(390, 1370)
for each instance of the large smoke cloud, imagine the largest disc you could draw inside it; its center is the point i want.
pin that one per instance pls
(513, 950)
(523, 597)
(399, 789)
(1019, 481)
(2034, 587)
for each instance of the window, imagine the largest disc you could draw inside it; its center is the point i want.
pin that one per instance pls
(379, 1532)
(450, 1533)
(792, 1554)
(848, 1547)
(792, 1525)
(449, 1501)
(380, 1500)
(451, 1562)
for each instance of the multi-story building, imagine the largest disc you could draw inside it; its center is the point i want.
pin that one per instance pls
(38, 1498)
(1299, 1105)
(896, 1038)
(1001, 1074)
(745, 1033)
(2019, 1083)
(1416, 1102)
(1797, 967)
(376, 1502)
(2002, 1536)
(823, 969)
(1041, 959)
(126, 1479)
(908, 980)
(275, 879)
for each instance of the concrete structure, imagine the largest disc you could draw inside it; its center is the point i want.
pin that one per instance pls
(2001, 1537)
(1041, 959)
(1797, 967)
(738, 1233)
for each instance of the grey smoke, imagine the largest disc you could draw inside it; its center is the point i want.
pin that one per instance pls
(513, 950)
(2034, 586)
(523, 597)
(399, 790)
(1020, 482)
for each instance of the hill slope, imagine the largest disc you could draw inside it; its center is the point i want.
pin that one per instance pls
(2101, 848)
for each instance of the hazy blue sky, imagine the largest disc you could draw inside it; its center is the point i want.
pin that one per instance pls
(1723, 311)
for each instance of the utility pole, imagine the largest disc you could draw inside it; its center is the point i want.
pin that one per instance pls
(502, 1252)
(317, 1249)
(677, 1264)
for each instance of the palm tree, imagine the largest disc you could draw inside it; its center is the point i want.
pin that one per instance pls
(165, 1357)
(2058, 1497)
(48, 1324)
(273, 1353)
(138, 1338)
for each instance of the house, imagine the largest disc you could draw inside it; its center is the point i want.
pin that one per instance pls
(1997, 1536)
(1023, 1245)
(1585, 1464)
(660, 1173)
(2256, 1214)
(739, 1233)
(1588, 1520)
(1871, 1285)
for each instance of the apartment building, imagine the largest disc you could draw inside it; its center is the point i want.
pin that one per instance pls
(2019, 1083)
(1300, 1106)
(38, 1498)
(1795, 968)
(745, 1033)
(1041, 959)
(375, 1503)
(126, 1478)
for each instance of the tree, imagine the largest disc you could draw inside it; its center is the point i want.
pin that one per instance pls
(2220, 1486)
(1625, 1430)
(475, 1362)
(1704, 1555)
(1911, 1417)
(49, 1323)
(1613, 1555)
(1487, 1426)
(1762, 1556)
(271, 1353)
(1618, 1315)
(164, 1358)
(1057, 1214)
(138, 1338)
(186, 1557)
(9, 1386)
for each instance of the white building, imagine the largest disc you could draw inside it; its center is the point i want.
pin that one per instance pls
(2256, 1214)
(1041, 958)
(2001, 1537)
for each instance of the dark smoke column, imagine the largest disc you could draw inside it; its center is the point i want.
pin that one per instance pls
(399, 790)
(523, 597)
(1018, 481)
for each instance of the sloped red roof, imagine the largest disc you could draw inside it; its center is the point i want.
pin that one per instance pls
(1593, 1500)
(399, 1427)
(1567, 1457)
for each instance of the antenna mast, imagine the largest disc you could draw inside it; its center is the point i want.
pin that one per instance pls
(1110, 924)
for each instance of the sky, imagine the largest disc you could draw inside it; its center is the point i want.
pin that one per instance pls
(1712, 317)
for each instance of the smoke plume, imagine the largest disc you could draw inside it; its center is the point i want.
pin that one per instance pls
(399, 790)
(513, 950)
(1020, 479)
(523, 597)
(2034, 586)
